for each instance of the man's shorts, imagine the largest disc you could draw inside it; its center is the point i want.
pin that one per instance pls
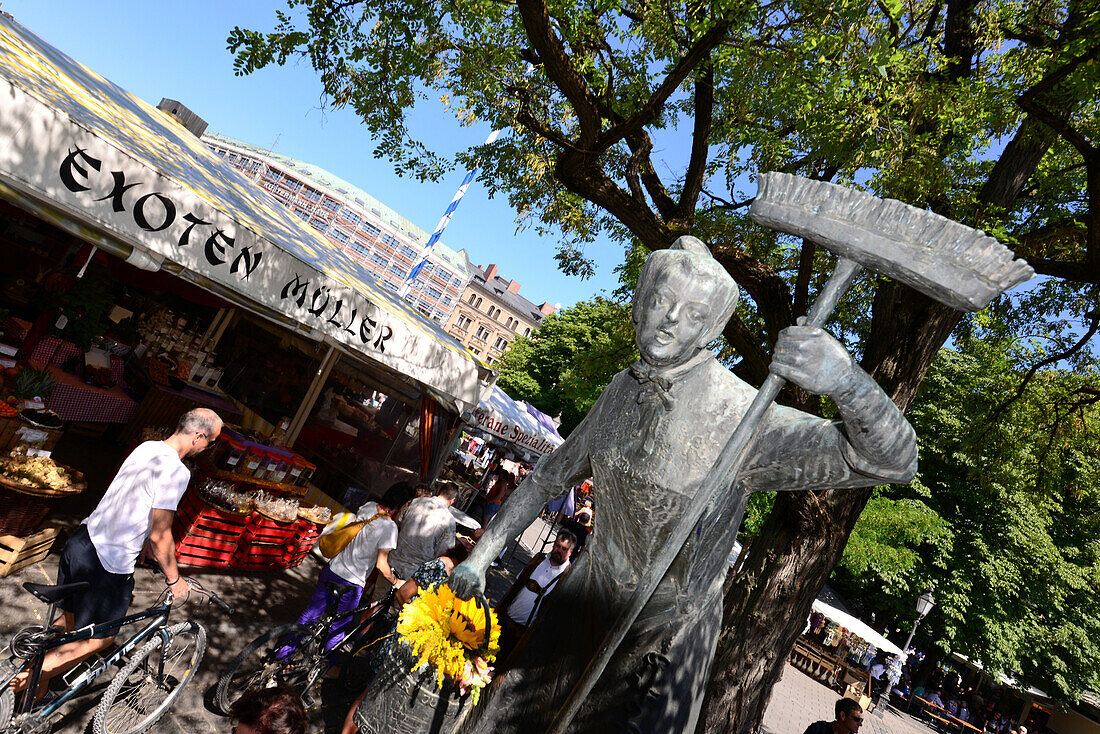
(110, 594)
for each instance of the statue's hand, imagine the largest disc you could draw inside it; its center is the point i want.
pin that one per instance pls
(466, 581)
(812, 359)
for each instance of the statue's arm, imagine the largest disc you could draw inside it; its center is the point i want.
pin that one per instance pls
(552, 477)
(871, 444)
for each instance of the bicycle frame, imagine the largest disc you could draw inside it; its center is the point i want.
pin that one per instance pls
(159, 615)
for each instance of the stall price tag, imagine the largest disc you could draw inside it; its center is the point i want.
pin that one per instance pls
(39, 452)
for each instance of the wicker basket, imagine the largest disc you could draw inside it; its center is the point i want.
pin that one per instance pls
(399, 701)
(23, 509)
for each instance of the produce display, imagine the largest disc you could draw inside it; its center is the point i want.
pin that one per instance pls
(42, 418)
(32, 383)
(225, 496)
(36, 472)
(283, 510)
(8, 411)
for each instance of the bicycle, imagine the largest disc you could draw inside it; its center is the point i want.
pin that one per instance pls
(140, 693)
(259, 664)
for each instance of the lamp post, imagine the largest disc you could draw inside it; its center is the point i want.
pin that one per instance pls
(924, 605)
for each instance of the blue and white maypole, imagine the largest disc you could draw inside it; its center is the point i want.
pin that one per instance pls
(442, 223)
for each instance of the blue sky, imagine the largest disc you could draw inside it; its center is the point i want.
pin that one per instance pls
(178, 50)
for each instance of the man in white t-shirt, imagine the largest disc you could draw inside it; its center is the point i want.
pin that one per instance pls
(348, 571)
(427, 530)
(521, 602)
(135, 513)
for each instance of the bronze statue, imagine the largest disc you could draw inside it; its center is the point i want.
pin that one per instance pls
(654, 433)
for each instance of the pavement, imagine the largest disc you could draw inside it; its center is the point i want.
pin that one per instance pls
(798, 701)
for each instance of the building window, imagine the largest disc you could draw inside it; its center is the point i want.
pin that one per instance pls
(271, 175)
(331, 204)
(435, 292)
(350, 216)
(457, 283)
(463, 322)
(391, 285)
(293, 184)
(474, 351)
(370, 229)
(390, 240)
(341, 237)
(410, 298)
(439, 315)
(445, 300)
(311, 194)
(493, 312)
(302, 214)
(500, 343)
(408, 252)
(318, 224)
(378, 260)
(482, 334)
(360, 248)
(399, 271)
(527, 331)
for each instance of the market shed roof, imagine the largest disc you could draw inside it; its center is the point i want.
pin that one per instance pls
(93, 158)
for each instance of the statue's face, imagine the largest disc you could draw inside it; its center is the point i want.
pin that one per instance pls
(674, 318)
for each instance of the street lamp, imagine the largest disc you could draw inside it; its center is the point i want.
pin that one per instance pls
(924, 605)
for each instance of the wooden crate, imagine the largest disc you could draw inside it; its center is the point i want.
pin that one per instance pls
(17, 553)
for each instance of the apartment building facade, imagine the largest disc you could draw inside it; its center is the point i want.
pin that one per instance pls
(492, 313)
(365, 228)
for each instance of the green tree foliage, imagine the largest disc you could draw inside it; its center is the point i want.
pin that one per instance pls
(1014, 475)
(646, 121)
(563, 367)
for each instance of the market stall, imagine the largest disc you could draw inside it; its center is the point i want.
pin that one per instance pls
(152, 279)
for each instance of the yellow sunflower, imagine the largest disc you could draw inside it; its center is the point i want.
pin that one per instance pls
(447, 633)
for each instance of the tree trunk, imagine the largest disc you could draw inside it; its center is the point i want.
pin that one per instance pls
(768, 600)
(772, 590)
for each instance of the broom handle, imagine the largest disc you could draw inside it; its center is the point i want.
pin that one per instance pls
(721, 477)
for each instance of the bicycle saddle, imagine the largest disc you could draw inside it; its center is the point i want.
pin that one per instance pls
(53, 594)
(338, 590)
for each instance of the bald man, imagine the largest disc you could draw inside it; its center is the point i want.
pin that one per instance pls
(135, 513)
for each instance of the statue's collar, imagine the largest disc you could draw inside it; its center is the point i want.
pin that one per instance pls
(672, 373)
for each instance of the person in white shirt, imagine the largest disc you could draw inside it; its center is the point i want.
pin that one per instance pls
(350, 568)
(520, 604)
(427, 529)
(134, 515)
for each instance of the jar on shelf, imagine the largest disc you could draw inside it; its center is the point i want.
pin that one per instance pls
(276, 466)
(302, 471)
(253, 460)
(229, 454)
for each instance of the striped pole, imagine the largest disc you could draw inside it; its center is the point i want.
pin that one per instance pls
(446, 218)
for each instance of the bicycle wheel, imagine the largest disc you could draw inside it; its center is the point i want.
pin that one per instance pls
(142, 692)
(257, 665)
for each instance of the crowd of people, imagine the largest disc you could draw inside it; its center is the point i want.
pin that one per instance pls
(400, 544)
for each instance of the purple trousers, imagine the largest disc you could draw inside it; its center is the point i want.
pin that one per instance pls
(319, 604)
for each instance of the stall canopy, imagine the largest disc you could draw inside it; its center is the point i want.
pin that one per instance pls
(119, 173)
(858, 627)
(500, 416)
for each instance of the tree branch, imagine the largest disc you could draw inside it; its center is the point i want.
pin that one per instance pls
(559, 68)
(700, 142)
(649, 109)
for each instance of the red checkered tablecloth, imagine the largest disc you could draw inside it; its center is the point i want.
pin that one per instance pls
(73, 400)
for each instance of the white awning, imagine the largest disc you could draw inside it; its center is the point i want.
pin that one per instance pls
(104, 164)
(499, 415)
(859, 628)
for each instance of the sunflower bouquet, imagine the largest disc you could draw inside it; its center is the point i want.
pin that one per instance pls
(458, 638)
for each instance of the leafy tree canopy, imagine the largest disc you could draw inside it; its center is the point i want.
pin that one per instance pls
(563, 367)
(1011, 472)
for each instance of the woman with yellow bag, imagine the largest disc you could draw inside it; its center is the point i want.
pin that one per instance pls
(368, 548)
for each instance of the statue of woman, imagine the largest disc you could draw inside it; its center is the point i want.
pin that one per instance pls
(653, 434)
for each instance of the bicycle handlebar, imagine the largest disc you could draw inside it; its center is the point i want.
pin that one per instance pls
(152, 565)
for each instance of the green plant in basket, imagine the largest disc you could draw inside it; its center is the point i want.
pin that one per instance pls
(33, 383)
